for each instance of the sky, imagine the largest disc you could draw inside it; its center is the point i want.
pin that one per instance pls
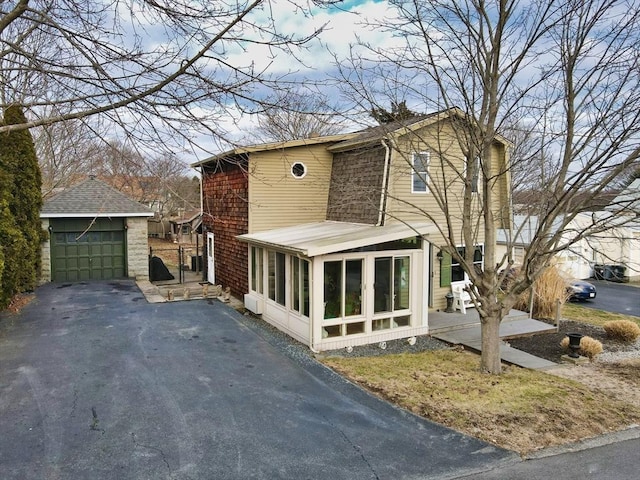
(344, 24)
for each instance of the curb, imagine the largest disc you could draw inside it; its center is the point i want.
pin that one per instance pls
(630, 433)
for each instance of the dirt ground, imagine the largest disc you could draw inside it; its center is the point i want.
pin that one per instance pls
(168, 250)
(615, 371)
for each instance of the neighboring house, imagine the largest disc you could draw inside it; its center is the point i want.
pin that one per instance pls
(186, 226)
(95, 233)
(325, 237)
(628, 200)
(618, 245)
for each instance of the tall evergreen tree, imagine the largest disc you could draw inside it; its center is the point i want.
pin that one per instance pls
(12, 242)
(20, 203)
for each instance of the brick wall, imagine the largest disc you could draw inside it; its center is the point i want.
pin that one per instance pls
(226, 214)
(137, 248)
(356, 184)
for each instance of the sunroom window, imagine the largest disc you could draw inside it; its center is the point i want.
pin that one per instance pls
(391, 284)
(300, 285)
(257, 269)
(343, 288)
(277, 277)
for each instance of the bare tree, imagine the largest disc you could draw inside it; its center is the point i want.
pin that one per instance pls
(66, 153)
(563, 71)
(297, 115)
(147, 67)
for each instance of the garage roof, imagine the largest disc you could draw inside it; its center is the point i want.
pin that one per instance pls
(92, 198)
(322, 238)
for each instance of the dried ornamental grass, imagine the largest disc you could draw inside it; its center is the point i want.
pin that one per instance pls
(549, 288)
(623, 330)
(589, 347)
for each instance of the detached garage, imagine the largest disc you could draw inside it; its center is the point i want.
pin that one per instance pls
(95, 233)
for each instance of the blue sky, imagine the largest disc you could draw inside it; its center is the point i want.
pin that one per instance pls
(343, 22)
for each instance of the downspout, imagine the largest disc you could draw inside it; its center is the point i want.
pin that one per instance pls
(201, 191)
(385, 183)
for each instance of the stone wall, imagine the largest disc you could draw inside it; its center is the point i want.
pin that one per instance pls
(226, 214)
(137, 248)
(45, 251)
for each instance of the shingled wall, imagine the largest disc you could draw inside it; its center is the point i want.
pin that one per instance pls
(356, 184)
(226, 214)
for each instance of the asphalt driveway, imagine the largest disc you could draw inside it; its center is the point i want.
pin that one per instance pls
(615, 297)
(97, 383)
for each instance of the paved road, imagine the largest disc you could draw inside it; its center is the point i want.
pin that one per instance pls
(615, 297)
(97, 383)
(613, 461)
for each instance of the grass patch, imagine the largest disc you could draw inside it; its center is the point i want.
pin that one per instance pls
(578, 313)
(521, 410)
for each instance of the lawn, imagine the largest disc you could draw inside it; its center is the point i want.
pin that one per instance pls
(521, 410)
(573, 311)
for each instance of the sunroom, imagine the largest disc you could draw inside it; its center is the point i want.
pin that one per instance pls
(332, 285)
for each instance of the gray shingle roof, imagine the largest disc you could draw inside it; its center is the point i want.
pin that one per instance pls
(93, 198)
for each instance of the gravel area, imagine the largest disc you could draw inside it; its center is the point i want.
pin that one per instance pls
(547, 345)
(422, 343)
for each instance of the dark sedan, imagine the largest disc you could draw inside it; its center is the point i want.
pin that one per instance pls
(581, 290)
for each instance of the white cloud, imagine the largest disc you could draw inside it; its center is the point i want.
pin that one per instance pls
(341, 28)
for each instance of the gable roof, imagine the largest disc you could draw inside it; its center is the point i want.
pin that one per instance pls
(401, 127)
(264, 147)
(92, 198)
(348, 141)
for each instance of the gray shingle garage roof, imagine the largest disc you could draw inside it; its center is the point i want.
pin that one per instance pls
(93, 198)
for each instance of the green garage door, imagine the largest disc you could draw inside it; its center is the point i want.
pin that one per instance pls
(82, 250)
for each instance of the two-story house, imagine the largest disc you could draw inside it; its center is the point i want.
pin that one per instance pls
(337, 240)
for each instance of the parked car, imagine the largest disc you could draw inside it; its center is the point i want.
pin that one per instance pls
(581, 290)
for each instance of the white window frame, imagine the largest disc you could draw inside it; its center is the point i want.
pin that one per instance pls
(304, 167)
(455, 263)
(420, 174)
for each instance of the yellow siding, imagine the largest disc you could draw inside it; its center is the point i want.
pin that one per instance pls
(277, 199)
(447, 166)
(502, 210)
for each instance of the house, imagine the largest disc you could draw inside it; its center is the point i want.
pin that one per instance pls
(327, 237)
(186, 226)
(95, 233)
(617, 245)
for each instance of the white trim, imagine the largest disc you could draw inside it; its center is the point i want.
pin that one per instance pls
(419, 173)
(323, 238)
(304, 174)
(334, 343)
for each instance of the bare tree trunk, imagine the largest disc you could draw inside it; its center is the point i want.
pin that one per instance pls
(490, 361)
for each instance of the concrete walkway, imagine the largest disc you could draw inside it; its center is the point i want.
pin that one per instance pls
(469, 336)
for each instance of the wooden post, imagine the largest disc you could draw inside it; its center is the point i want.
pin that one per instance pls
(558, 305)
(531, 297)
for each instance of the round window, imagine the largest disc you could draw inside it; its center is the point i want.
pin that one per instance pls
(298, 170)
